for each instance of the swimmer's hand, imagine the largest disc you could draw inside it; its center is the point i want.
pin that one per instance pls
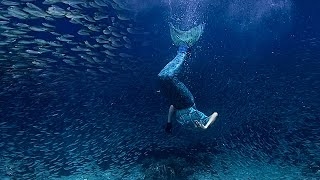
(199, 125)
(212, 119)
(169, 127)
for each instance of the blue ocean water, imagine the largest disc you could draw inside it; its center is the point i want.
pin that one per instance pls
(79, 92)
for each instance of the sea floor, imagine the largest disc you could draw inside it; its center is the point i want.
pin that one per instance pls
(221, 166)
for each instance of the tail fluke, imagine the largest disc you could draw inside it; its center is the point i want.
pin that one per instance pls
(188, 37)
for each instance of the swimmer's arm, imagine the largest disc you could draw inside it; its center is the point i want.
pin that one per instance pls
(212, 119)
(170, 118)
(171, 113)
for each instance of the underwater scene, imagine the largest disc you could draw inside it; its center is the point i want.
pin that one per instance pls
(159, 90)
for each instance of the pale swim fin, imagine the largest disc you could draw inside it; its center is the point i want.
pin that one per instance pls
(188, 37)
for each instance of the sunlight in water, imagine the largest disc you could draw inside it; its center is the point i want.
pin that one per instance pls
(250, 14)
(186, 14)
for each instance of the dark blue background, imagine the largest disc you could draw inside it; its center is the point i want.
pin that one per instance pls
(264, 82)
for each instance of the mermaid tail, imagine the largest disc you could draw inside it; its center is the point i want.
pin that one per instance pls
(189, 37)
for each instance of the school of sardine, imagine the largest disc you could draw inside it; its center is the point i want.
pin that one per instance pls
(99, 41)
(61, 39)
(60, 115)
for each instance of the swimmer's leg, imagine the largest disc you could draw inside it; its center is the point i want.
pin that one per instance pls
(171, 87)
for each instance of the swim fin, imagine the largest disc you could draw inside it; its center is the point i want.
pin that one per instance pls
(188, 37)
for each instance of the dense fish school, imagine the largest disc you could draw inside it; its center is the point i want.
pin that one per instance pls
(79, 97)
(99, 42)
(36, 47)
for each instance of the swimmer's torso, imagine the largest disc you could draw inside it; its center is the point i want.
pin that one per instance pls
(187, 117)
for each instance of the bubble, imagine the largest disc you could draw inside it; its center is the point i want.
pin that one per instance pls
(249, 14)
(186, 14)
